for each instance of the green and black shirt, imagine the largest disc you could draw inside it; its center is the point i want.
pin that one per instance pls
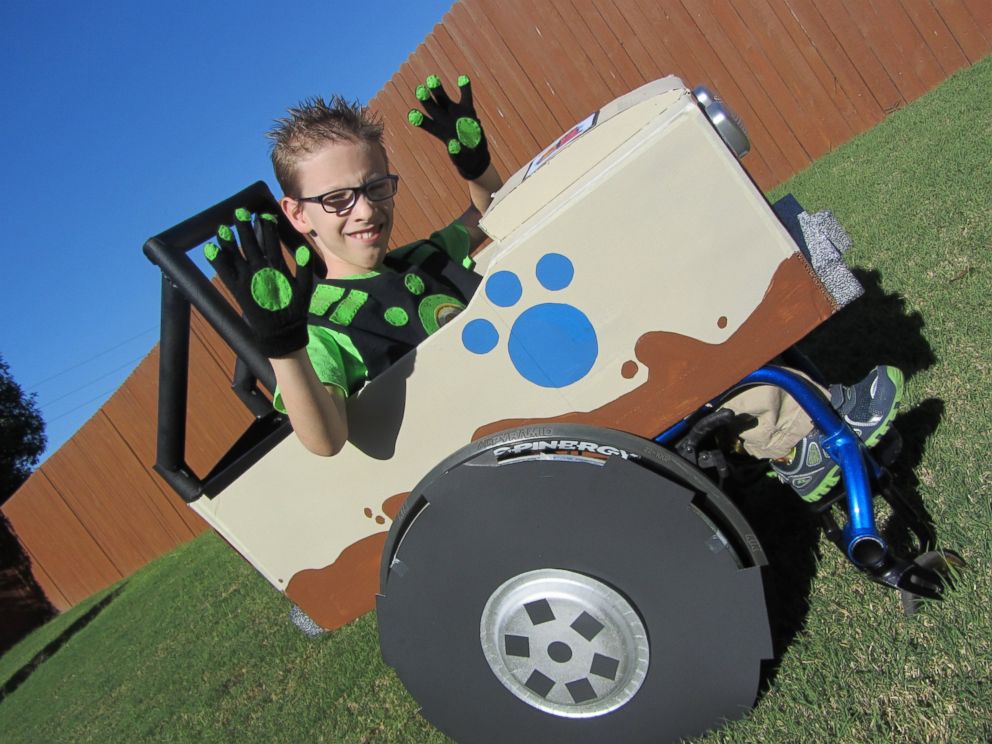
(359, 325)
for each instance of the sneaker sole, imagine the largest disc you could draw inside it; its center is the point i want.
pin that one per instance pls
(831, 479)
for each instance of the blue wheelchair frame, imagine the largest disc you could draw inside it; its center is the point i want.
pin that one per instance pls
(859, 539)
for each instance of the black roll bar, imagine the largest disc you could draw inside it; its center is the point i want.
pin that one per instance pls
(183, 285)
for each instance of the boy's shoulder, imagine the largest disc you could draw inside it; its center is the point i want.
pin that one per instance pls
(453, 240)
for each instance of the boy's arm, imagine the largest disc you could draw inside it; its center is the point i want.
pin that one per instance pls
(317, 411)
(457, 125)
(276, 303)
(480, 192)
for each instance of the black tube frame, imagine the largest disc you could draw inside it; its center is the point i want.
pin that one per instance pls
(183, 286)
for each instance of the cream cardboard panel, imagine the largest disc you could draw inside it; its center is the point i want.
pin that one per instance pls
(664, 232)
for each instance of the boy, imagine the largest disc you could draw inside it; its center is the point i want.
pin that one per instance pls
(366, 310)
(330, 163)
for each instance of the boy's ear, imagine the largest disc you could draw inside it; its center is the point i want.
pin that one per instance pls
(293, 210)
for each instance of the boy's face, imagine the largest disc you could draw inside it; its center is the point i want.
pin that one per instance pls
(353, 241)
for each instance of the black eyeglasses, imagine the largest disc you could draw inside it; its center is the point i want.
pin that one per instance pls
(341, 200)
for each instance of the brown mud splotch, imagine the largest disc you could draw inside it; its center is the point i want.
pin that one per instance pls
(629, 369)
(684, 373)
(345, 590)
(391, 506)
(721, 322)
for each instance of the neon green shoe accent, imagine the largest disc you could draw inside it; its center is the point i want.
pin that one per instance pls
(433, 81)
(224, 233)
(454, 147)
(463, 81)
(422, 93)
(897, 378)
(323, 297)
(436, 310)
(302, 256)
(831, 479)
(211, 251)
(469, 132)
(348, 308)
(271, 290)
(396, 316)
(242, 215)
(414, 283)
(269, 217)
(415, 117)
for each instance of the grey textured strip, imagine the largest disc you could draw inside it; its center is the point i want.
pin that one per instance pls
(823, 241)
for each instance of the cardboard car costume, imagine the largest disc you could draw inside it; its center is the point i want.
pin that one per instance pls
(635, 273)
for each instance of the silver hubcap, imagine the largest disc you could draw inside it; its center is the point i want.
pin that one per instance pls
(564, 643)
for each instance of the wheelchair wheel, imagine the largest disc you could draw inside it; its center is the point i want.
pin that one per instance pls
(573, 584)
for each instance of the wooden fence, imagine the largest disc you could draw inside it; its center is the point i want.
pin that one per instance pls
(805, 75)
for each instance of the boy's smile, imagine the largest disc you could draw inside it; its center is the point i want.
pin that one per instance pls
(353, 241)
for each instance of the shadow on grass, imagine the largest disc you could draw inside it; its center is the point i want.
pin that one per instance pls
(22, 674)
(790, 537)
(916, 427)
(874, 329)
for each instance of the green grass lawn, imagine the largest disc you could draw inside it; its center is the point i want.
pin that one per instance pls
(198, 647)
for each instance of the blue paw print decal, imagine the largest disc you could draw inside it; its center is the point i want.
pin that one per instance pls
(551, 344)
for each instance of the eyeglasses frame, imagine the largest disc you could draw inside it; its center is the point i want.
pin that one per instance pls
(357, 190)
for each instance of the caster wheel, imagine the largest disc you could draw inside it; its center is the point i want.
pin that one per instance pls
(573, 584)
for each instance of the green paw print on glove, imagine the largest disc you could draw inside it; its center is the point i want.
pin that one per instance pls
(271, 289)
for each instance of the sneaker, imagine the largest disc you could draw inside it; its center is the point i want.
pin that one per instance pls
(868, 407)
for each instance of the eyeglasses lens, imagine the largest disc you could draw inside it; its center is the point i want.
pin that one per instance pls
(344, 199)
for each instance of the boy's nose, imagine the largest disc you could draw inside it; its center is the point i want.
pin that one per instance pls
(362, 206)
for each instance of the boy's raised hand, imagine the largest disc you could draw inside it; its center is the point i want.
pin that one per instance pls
(274, 302)
(455, 124)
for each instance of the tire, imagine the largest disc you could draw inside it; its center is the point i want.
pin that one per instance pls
(573, 584)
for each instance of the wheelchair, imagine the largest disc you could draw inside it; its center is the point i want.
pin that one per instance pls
(566, 573)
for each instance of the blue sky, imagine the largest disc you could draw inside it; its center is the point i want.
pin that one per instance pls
(122, 118)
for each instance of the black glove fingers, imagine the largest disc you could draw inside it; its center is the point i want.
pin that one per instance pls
(435, 128)
(435, 111)
(249, 243)
(465, 102)
(223, 260)
(437, 90)
(268, 225)
(304, 273)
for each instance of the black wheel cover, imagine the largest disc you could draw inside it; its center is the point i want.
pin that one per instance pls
(640, 522)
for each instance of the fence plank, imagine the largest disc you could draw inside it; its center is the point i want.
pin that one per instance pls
(133, 412)
(99, 480)
(777, 136)
(861, 54)
(841, 78)
(67, 561)
(964, 21)
(47, 583)
(602, 44)
(507, 33)
(796, 63)
(937, 36)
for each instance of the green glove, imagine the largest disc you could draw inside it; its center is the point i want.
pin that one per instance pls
(455, 124)
(275, 303)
